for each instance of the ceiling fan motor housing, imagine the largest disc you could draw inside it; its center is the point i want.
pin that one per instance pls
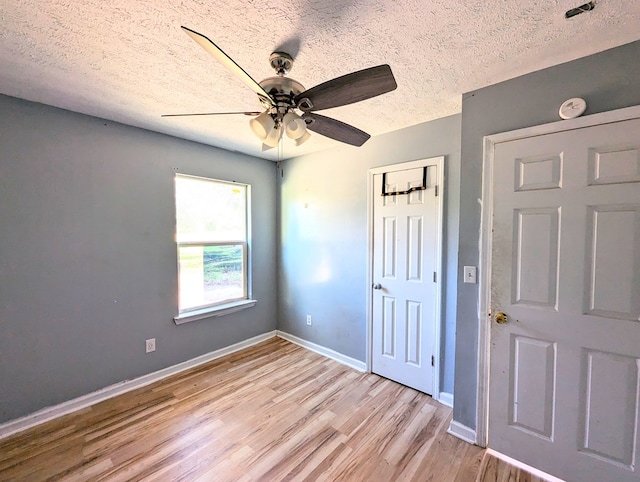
(282, 86)
(283, 90)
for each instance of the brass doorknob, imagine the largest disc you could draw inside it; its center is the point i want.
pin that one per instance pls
(501, 318)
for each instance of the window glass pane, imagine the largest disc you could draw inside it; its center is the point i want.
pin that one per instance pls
(210, 275)
(210, 211)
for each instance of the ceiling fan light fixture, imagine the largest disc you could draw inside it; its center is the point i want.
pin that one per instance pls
(304, 138)
(262, 125)
(295, 126)
(273, 137)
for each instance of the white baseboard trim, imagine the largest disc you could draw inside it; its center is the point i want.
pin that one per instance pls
(462, 432)
(54, 411)
(328, 352)
(523, 466)
(446, 398)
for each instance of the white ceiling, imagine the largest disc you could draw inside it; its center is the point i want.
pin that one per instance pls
(129, 61)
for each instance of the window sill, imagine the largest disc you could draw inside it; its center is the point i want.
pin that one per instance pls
(214, 311)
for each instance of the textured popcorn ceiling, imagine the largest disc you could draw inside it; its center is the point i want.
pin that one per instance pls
(129, 61)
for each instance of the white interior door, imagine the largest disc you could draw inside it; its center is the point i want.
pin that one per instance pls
(406, 253)
(564, 369)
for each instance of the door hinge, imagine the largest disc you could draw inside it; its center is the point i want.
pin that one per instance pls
(436, 190)
(433, 361)
(435, 277)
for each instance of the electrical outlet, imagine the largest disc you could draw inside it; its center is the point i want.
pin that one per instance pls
(150, 345)
(309, 320)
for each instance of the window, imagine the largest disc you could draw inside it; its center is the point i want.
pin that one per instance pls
(211, 237)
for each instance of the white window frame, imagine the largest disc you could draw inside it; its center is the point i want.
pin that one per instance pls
(227, 306)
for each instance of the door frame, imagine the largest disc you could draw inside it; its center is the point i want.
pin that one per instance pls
(431, 161)
(484, 279)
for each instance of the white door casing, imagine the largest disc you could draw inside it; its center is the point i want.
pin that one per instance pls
(564, 380)
(405, 273)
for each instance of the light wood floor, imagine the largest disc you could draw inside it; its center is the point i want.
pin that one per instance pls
(272, 412)
(496, 470)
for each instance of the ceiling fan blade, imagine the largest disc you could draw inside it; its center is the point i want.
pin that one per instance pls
(228, 62)
(347, 89)
(335, 129)
(212, 113)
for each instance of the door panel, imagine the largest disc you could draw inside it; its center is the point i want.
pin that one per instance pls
(531, 398)
(538, 173)
(563, 390)
(611, 165)
(414, 326)
(536, 256)
(404, 309)
(613, 261)
(609, 408)
(390, 248)
(389, 327)
(414, 249)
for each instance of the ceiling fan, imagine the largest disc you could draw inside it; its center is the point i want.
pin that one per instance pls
(282, 97)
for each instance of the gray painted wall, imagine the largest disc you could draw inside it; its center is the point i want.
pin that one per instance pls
(324, 236)
(608, 80)
(87, 257)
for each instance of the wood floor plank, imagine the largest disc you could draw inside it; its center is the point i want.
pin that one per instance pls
(494, 469)
(469, 470)
(272, 412)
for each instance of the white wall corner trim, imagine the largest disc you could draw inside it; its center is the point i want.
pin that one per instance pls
(446, 398)
(525, 467)
(462, 432)
(328, 352)
(64, 408)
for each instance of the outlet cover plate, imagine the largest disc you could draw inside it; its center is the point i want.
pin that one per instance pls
(470, 274)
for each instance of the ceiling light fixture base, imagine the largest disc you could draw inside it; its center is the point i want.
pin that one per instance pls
(281, 62)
